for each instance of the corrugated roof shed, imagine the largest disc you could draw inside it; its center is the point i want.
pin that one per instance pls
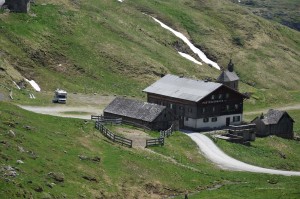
(227, 76)
(182, 88)
(273, 116)
(134, 109)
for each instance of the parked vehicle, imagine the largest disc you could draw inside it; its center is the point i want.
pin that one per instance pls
(60, 96)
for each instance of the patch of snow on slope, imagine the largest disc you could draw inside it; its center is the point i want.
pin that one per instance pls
(34, 85)
(201, 55)
(18, 87)
(120, 1)
(189, 57)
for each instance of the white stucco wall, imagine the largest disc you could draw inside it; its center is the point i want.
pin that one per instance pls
(221, 121)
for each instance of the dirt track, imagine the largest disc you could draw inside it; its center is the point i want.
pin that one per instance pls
(284, 108)
(66, 111)
(80, 106)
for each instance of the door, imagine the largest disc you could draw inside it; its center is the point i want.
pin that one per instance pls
(227, 121)
(181, 121)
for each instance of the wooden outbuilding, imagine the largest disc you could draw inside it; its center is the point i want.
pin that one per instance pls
(198, 105)
(18, 5)
(275, 122)
(140, 114)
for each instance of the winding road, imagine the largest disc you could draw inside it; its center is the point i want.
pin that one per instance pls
(206, 146)
(217, 156)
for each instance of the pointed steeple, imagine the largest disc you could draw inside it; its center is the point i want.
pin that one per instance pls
(230, 66)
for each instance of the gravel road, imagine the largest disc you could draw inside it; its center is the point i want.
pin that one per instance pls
(66, 111)
(217, 156)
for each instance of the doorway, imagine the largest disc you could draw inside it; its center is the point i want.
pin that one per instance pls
(227, 121)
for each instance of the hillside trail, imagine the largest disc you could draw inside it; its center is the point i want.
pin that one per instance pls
(282, 108)
(80, 106)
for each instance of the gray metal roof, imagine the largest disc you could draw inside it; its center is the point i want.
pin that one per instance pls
(134, 109)
(273, 116)
(227, 76)
(182, 88)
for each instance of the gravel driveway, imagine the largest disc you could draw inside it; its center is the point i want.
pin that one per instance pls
(66, 111)
(217, 156)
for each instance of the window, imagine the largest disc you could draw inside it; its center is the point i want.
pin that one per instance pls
(213, 109)
(220, 96)
(213, 97)
(186, 119)
(227, 107)
(203, 110)
(236, 106)
(205, 120)
(190, 110)
(180, 108)
(171, 106)
(236, 118)
(214, 119)
(227, 95)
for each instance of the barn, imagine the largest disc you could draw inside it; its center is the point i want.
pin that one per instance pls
(138, 113)
(275, 122)
(18, 5)
(198, 105)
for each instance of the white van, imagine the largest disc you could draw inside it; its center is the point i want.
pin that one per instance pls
(60, 96)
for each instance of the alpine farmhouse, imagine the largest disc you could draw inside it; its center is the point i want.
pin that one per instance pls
(199, 105)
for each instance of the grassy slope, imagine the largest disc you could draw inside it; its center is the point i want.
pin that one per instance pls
(112, 47)
(122, 172)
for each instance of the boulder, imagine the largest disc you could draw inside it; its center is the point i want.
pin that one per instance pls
(11, 133)
(90, 178)
(20, 162)
(57, 176)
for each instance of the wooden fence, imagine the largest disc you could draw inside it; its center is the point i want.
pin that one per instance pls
(155, 142)
(102, 119)
(115, 138)
(167, 133)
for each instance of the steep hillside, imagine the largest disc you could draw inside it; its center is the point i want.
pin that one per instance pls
(112, 47)
(285, 12)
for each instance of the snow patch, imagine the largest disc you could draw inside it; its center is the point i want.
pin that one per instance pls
(18, 87)
(33, 84)
(120, 1)
(197, 51)
(31, 96)
(189, 57)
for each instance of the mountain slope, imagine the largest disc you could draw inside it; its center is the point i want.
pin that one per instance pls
(112, 47)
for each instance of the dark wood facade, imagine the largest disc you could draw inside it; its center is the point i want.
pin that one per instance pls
(162, 122)
(138, 113)
(221, 102)
(281, 127)
(18, 5)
